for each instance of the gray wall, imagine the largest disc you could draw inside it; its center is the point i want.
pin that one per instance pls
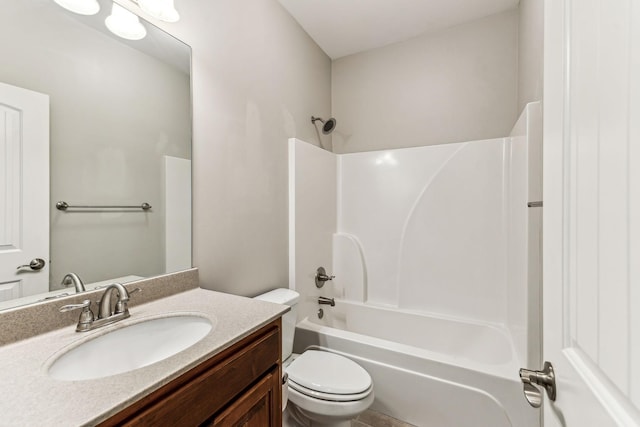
(257, 79)
(530, 51)
(455, 85)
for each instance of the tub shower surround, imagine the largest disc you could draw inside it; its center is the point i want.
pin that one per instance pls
(415, 382)
(435, 253)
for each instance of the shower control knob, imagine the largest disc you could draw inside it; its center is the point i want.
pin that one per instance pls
(321, 277)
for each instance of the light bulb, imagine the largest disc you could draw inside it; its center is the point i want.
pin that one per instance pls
(81, 7)
(164, 10)
(125, 24)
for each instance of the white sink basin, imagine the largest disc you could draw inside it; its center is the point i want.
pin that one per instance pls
(130, 348)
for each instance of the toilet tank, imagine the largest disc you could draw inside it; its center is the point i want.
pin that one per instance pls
(286, 297)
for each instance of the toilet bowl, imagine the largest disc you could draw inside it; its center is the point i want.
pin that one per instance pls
(328, 388)
(322, 387)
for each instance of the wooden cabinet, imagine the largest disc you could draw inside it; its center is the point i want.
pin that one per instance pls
(241, 386)
(255, 408)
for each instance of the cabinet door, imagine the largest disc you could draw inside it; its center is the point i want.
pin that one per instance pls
(258, 407)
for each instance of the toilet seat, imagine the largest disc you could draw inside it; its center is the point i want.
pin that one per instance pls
(328, 396)
(328, 376)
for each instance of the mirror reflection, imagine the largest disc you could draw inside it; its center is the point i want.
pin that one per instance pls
(110, 120)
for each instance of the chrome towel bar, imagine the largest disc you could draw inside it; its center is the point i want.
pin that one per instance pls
(63, 206)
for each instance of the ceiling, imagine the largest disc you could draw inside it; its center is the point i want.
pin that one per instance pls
(344, 27)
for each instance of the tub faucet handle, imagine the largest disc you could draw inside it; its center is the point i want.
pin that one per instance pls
(322, 276)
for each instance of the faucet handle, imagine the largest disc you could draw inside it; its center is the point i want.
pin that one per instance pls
(86, 316)
(85, 305)
(322, 277)
(122, 304)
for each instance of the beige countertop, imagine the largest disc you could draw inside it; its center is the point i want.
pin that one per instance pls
(28, 396)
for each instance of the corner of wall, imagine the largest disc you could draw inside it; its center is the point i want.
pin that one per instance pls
(530, 51)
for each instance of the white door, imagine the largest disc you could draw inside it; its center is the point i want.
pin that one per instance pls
(24, 191)
(592, 211)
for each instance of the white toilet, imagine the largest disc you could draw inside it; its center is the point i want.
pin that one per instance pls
(325, 389)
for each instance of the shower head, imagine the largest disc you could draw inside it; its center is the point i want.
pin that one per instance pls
(327, 126)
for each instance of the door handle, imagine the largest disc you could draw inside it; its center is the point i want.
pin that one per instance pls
(545, 378)
(35, 264)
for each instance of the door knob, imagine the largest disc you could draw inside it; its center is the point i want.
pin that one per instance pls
(545, 378)
(35, 264)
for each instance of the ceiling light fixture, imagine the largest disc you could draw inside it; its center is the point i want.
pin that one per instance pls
(164, 10)
(125, 24)
(81, 7)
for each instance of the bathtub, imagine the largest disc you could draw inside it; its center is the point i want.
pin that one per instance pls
(428, 371)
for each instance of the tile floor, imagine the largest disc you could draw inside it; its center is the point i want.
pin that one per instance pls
(371, 418)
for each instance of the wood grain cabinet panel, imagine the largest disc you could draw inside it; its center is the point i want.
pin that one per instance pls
(255, 408)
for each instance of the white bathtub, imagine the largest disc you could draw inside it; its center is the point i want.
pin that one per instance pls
(428, 371)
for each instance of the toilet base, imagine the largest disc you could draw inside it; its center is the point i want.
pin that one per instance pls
(291, 419)
(294, 417)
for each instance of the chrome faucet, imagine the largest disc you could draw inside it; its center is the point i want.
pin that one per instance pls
(326, 301)
(73, 279)
(87, 319)
(104, 309)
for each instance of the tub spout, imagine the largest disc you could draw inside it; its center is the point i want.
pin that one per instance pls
(326, 301)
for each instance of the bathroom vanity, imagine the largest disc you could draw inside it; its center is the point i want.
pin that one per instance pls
(232, 376)
(239, 386)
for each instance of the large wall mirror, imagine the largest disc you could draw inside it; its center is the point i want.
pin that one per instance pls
(118, 133)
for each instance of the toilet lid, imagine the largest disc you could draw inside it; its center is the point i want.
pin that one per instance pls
(325, 372)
